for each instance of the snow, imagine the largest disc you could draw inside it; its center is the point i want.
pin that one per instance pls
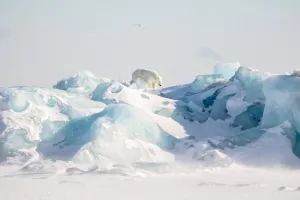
(232, 134)
(211, 184)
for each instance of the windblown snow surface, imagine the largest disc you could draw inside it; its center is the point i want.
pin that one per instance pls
(233, 134)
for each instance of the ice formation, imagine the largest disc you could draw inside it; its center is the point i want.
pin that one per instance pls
(83, 82)
(236, 115)
(227, 70)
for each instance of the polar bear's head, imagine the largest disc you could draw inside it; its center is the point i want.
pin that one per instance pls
(158, 79)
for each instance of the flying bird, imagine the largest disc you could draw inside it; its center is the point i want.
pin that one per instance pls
(139, 25)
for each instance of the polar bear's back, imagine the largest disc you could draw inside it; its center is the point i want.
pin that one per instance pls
(144, 73)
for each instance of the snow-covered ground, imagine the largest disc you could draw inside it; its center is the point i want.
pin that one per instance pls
(230, 183)
(230, 135)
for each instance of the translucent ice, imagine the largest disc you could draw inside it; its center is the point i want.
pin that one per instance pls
(202, 81)
(82, 82)
(227, 70)
(107, 134)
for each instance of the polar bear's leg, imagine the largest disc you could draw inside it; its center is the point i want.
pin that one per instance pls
(153, 85)
(149, 82)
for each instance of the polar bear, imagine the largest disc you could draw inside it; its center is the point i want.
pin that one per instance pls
(151, 78)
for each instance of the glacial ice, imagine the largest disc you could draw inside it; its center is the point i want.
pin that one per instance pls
(227, 70)
(83, 82)
(216, 120)
(202, 81)
(249, 102)
(24, 125)
(110, 129)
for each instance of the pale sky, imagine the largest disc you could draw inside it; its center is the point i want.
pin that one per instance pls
(42, 41)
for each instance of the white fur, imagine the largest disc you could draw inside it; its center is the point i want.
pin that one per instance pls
(152, 78)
